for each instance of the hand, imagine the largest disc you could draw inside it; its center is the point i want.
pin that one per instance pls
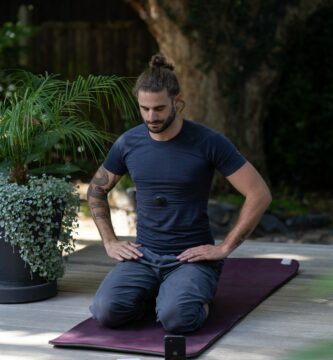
(201, 253)
(123, 250)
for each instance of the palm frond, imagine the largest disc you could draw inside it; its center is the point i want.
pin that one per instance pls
(44, 107)
(79, 132)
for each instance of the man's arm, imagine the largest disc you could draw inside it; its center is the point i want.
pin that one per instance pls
(257, 198)
(97, 196)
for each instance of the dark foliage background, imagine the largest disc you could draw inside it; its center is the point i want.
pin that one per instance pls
(299, 131)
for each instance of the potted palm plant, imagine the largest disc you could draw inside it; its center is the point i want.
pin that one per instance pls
(44, 130)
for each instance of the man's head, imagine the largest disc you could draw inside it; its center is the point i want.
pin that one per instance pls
(157, 90)
(158, 110)
(160, 75)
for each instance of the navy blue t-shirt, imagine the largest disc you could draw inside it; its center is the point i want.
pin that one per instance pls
(173, 180)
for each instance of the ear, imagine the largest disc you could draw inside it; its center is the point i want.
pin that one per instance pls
(179, 103)
(178, 98)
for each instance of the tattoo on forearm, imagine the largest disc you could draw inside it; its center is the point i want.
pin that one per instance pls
(100, 186)
(101, 215)
(100, 210)
(96, 192)
(101, 178)
(98, 205)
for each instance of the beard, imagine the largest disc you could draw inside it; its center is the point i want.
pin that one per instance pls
(158, 126)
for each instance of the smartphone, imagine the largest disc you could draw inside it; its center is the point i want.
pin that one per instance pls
(174, 347)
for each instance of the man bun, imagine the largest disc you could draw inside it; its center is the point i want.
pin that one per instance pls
(159, 61)
(158, 76)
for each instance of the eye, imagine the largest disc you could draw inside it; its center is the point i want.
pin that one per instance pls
(160, 108)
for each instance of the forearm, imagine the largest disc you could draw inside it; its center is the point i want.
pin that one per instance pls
(97, 197)
(100, 212)
(249, 216)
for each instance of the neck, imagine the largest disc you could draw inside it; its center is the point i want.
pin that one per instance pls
(169, 133)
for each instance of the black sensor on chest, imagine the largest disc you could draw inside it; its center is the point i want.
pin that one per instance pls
(160, 201)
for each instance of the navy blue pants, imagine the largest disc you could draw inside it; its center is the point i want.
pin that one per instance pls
(180, 291)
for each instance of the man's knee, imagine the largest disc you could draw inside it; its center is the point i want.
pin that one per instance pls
(113, 313)
(106, 312)
(180, 319)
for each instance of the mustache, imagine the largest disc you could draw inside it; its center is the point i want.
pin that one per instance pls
(154, 122)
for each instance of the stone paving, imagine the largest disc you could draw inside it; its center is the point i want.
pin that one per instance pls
(322, 236)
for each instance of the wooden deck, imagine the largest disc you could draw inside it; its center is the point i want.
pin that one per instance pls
(291, 318)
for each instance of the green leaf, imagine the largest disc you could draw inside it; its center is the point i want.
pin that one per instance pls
(45, 112)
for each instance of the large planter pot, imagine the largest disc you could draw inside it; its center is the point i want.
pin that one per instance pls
(17, 283)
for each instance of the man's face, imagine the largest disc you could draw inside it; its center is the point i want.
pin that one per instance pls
(157, 109)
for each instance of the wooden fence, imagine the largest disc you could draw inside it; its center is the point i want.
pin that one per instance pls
(72, 48)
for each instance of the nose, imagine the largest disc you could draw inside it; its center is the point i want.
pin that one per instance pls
(152, 115)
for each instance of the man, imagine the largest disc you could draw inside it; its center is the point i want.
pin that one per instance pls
(174, 259)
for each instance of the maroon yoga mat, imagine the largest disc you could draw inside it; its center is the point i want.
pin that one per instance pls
(244, 284)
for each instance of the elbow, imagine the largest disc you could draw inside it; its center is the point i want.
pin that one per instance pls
(267, 198)
(262, 197)
(89, 192)
(96, 193)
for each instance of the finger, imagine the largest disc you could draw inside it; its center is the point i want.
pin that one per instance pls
(128, 257)
(190, 252)
(131, 253)
(117, 257)
(113, 255)
(186, 253)
(188, 257)
(134, 248)
(136, 245)
(128, 254)
(198, 257)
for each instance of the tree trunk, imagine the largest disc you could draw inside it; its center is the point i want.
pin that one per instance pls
(237, 108)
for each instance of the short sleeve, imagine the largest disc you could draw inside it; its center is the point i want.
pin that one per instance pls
(224, 155)
(115, 159)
